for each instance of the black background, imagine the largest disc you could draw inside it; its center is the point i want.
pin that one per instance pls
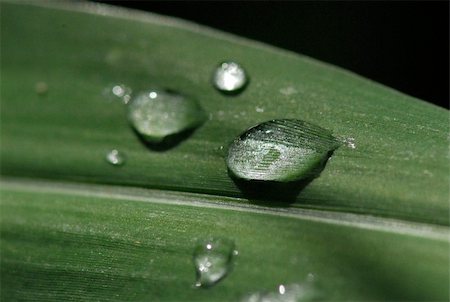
(404, 45)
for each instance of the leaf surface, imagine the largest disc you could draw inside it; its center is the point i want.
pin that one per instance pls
(101, 243)
(372, 226)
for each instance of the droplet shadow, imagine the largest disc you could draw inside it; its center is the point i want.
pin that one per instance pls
(273, 193)
(169, 142)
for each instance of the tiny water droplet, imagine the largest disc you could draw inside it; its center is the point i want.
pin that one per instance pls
(350, 142)
(119, 92)
(310, 277)
(428, 173)
(288, 90)
(286, 293)
(158, 114)
(41, 88)
(213, 260)
(259, 109)
(230, 77)
(115, 157)
(280, 151)
(221, 151)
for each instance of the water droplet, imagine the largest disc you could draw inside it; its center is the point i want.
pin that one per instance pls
(259, 109)
(41, 88)
(286, 293)
(213, 260)
(157, 115)
(280, 151)
(221, 151)
(230, 77)
(115, 157)
(119, 92)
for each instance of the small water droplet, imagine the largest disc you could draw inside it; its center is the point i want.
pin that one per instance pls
(41, 88)
(280, 151)
(230, 77)
(259, 109)
(157, 115)
(115, 157)
(119, 92)
(213, 260)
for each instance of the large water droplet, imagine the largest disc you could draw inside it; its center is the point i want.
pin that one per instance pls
(213, 260)
(286, 293)
(280, 151)
(115, 157)
(158, 115)
(230, 77)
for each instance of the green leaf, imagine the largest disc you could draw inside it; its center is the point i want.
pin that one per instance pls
(399, 166)
(89, 242)
(372, 226)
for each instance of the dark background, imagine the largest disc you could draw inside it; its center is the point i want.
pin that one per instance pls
(404, 45)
